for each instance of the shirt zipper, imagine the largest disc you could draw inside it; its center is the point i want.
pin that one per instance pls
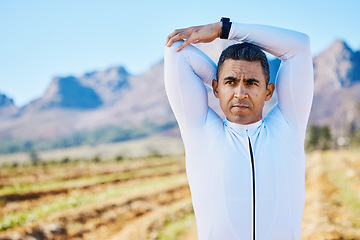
(253, 181)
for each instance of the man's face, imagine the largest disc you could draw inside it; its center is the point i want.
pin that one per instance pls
(242, 91)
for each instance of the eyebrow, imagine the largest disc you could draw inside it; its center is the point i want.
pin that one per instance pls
(251, 80)
(245, 80)
(231, 78)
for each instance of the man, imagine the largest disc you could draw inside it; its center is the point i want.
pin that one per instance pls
(246, 173)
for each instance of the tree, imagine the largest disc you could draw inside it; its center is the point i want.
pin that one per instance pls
(34, 157)
(318, 138)
(355, 139)
(324, 138)
(313, 138)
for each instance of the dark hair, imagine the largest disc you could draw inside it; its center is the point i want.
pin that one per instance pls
(247, 52)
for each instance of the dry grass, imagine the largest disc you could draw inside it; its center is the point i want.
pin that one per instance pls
(134, 148)
(150, 199)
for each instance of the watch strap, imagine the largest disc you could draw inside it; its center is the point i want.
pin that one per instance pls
(225, 29)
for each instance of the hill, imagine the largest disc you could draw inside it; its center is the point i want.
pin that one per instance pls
(112, 105)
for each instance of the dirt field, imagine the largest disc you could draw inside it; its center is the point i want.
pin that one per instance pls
(149, 199)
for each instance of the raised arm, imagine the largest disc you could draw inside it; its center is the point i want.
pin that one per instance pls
(295, 81)
(294, 84)
(185, 75)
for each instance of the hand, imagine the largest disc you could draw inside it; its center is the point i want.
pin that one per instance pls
(199, 34)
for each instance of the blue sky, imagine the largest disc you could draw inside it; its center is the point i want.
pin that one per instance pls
(41, 39)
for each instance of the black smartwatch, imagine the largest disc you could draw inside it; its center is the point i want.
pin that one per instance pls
(225, 29)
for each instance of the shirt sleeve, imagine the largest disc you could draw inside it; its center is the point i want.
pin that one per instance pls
(294, 82)
(185, 74)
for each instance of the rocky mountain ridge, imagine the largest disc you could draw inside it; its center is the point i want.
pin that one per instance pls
(7, 106)
(115, 97)
(337, 87)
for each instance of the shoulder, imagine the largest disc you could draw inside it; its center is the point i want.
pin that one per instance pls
(275, 120)
(275, 116)
(213, 122)
(197, 140)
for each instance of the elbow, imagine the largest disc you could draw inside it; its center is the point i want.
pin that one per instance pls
(172, 49)
(300, 45)
(306, 40)
(170, 59)
(303, 43)
(171, 54)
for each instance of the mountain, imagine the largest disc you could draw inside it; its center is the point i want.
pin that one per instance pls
(113, 97)
(5, 101)
(337, 67)
(90, 91)
(92, 101)
(64, 92)
(337, 86)
(7, 107)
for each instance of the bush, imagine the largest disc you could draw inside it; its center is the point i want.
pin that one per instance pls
(65, 160)
(14, 165)
(106, 134)
(96, 159)
(154, 154)
(355, 139)
(34, 158)
(318, 138)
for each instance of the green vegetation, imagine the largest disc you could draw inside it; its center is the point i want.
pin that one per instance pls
(348, 194)
(95, 185)
(173, 229)
(108, 134)
(324, 138)
(355, 138)
(90, 180)
(318, 138)
(348, 197)
(76, 199)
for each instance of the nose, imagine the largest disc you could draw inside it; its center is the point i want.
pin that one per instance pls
(240, 91)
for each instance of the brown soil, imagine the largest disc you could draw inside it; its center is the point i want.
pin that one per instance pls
(92, 221)
(325, 216)
(143, 214)
(42, 174)
(15, 202)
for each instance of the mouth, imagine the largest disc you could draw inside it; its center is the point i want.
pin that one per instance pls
(240, 107)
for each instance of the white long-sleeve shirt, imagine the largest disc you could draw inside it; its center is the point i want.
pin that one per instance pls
(246, 181)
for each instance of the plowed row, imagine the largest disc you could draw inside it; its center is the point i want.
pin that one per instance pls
(150, 199)
(27, 200)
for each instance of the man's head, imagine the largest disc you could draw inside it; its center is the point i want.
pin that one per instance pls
(242, 84)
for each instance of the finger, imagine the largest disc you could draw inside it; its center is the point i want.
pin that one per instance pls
(174, 39)
(184, 44)
(173, 34)
(170, 36)
(180, 34)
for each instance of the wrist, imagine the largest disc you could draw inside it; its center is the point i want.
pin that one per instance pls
(218, 26)
(225, 28)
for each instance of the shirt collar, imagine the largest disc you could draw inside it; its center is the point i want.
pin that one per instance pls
(242, 128)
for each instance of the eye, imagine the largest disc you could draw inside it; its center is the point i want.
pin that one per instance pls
(252, 83)
(229, 82)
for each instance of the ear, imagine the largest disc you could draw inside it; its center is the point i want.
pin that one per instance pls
(215, 88)
(269, 91)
